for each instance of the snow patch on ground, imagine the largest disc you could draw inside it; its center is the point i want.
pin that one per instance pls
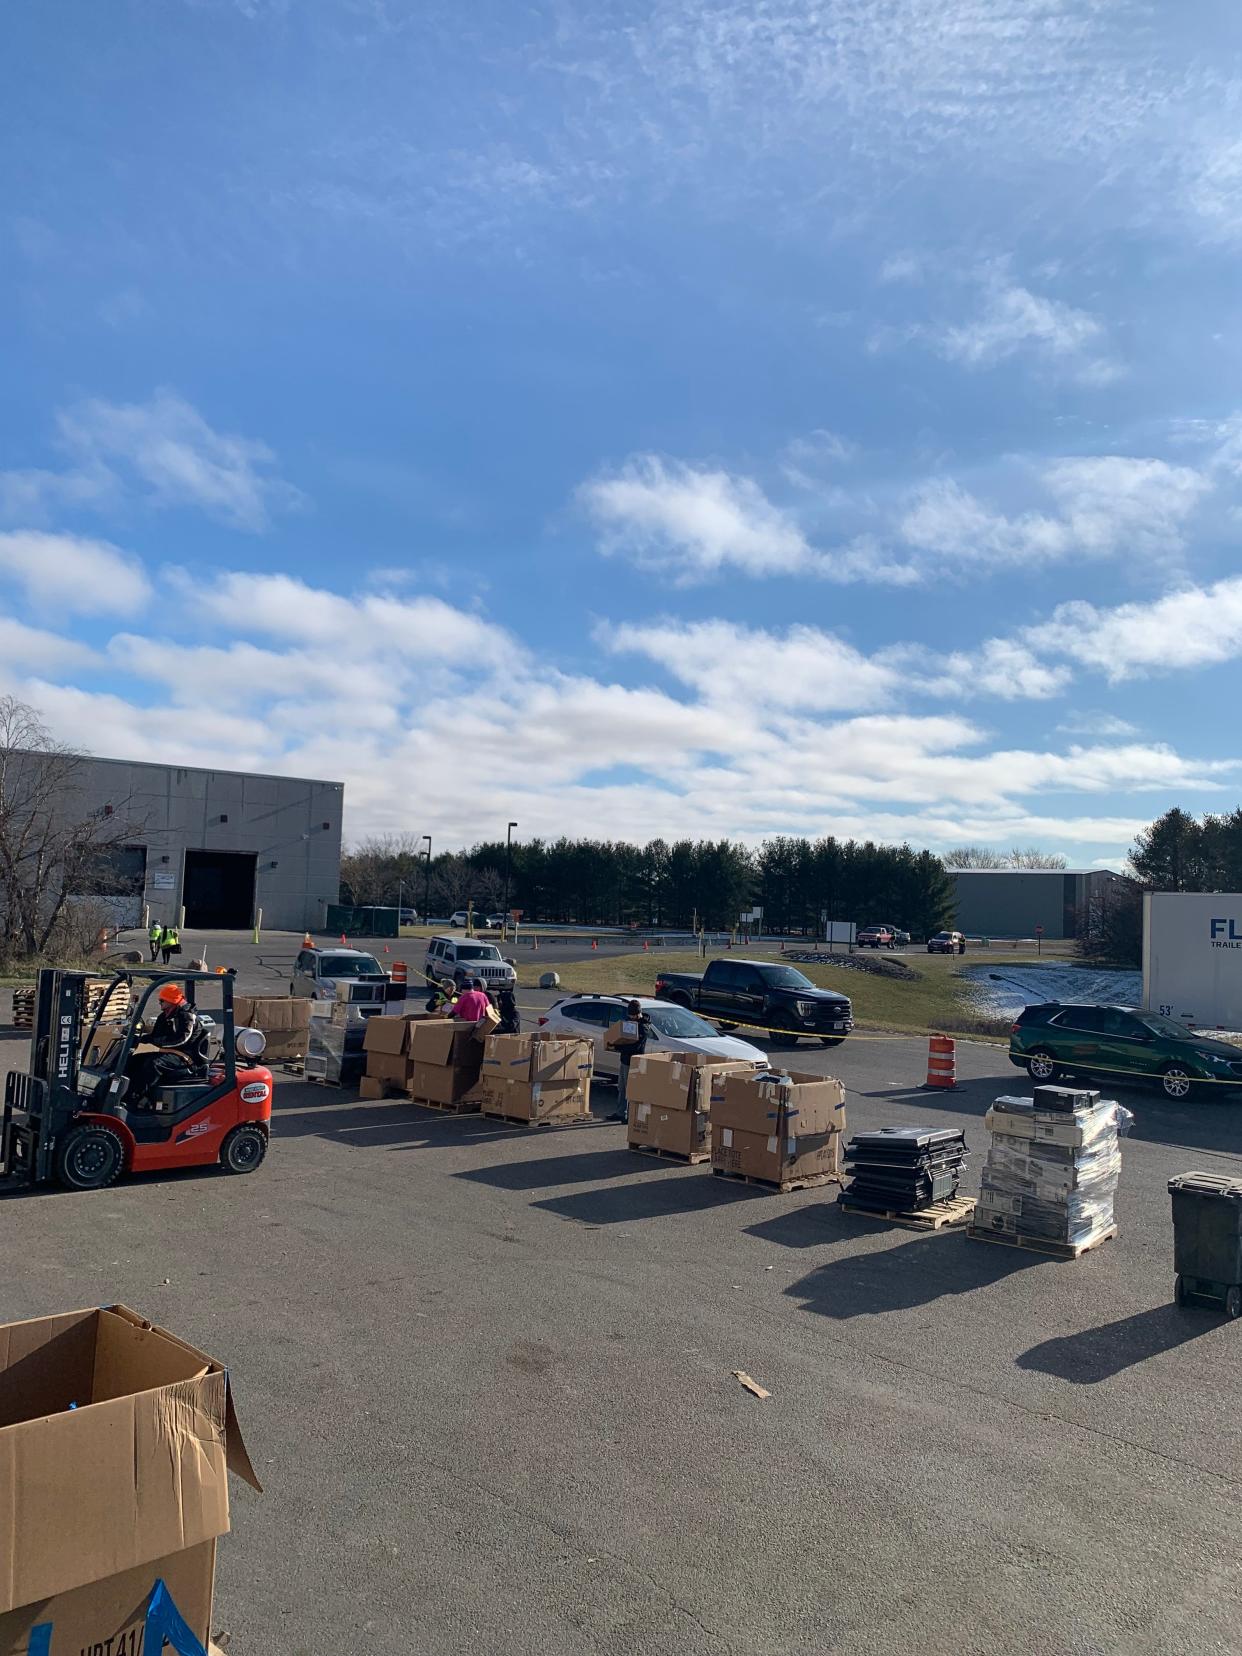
(1003, 994)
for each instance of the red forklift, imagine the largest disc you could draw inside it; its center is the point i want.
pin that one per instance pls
(71, 1117)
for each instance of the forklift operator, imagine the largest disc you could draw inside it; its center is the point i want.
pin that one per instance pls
(179, 1033)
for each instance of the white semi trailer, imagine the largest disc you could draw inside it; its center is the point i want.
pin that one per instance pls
(1192, 957)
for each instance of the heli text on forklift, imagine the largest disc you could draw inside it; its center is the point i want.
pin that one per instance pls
(79, 1116)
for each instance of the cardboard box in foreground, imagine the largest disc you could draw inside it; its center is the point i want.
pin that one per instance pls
(778, 1127)
(116, 1440)
(670, 1096)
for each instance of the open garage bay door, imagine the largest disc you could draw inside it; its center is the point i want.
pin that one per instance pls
(219, 890)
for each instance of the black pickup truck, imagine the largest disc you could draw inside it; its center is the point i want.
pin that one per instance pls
(761, 994)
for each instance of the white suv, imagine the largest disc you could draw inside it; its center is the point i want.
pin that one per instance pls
(449, 959)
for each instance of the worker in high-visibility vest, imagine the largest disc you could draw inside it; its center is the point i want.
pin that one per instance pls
(170, 943)
(155, 937)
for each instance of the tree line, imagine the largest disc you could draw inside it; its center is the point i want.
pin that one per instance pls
(798, 882)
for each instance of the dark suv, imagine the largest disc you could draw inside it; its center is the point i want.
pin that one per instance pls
(1120, 1042)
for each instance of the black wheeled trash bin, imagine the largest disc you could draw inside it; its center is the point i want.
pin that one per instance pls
(1207, 1240)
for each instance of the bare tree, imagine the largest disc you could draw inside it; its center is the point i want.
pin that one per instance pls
(1031, 856)
(982, 856)
(52, 841)
(379, 870)
(973, 856)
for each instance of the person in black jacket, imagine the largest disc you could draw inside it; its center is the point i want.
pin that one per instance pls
(626, 1050)
(182, 1041)
(510, 1018)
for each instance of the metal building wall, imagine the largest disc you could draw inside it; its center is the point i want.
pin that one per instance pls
(1011, 902)
(292, 825)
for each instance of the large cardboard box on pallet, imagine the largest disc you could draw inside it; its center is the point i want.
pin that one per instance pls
(542, 1060)
(284, 1019)
(537, 1100)
(778, 1127)
(116, 1440)
(669, 1096)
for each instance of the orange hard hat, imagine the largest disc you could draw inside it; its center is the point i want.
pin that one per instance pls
(172, 994)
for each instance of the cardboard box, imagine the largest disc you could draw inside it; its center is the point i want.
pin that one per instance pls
(679, 1080)
(430, 1040)
(370, 1086)
(117, 1440)
(441, 1083)
(625, 1032)
(284, 1019)
(778, 1127)
(487, 1024)
(386, 1034)
(535, 1101)
(551, 1060)
(387, 1066)
(686, 1132)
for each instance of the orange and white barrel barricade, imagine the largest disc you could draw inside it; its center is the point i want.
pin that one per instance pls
(400, 974)
(941, 1061)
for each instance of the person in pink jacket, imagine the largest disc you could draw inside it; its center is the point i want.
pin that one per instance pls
(473, 1003)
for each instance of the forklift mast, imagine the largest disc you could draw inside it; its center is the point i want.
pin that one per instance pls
(39, 1103)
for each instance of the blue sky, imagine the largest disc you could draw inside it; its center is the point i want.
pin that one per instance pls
(795, 416)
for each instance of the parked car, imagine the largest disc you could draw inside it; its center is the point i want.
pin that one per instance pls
(946, 942)
(461, 918)
(408, 917)
(673, 1029)
(761, 994)
(450, 959)
(316, 972)
(900, 938)
(876, 937)
(493, 922)
(1112, 1042)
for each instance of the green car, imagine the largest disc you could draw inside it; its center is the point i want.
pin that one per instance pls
(1118, 1043)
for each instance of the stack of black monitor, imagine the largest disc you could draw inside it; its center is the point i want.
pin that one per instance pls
(903, 1169)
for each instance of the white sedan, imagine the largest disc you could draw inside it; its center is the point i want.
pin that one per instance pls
(673, 1029)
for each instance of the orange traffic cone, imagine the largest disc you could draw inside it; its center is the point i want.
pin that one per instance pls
(595, 942)
(306, 941)
(941, 1062)
(646, 946)
(344, 939)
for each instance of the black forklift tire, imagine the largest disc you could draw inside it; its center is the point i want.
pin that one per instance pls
(91, 1158)
(244, 1149)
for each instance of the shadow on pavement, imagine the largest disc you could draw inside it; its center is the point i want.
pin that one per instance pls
(398, 1122)
(657, 1198)
(547, 1172)
(812, 1227)
(1098, 1353)
(916, 1273)
(967, 1098)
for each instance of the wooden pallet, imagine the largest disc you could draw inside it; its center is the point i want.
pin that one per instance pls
(809, 1181)
(1042, 1244)
(462, 1106)
(955, 1210)
(548, 1121)
(689, 1158)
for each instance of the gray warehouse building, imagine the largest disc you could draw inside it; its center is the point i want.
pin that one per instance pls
(1012, 902)
(223, 845)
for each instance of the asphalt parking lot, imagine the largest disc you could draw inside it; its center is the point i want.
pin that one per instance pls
(487, 1378)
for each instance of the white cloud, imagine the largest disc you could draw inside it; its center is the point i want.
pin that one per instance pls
(1013, 320)
(693, 523)
(1004, 668)
(1098, 724)
(68, 572)
(1194, 627)
(810, 462)
(902, 267)
(37, 650)
(161, 451)
(1106, 505)
(803, 668)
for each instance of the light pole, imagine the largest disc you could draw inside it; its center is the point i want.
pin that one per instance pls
(427, 882)
(508, 868)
